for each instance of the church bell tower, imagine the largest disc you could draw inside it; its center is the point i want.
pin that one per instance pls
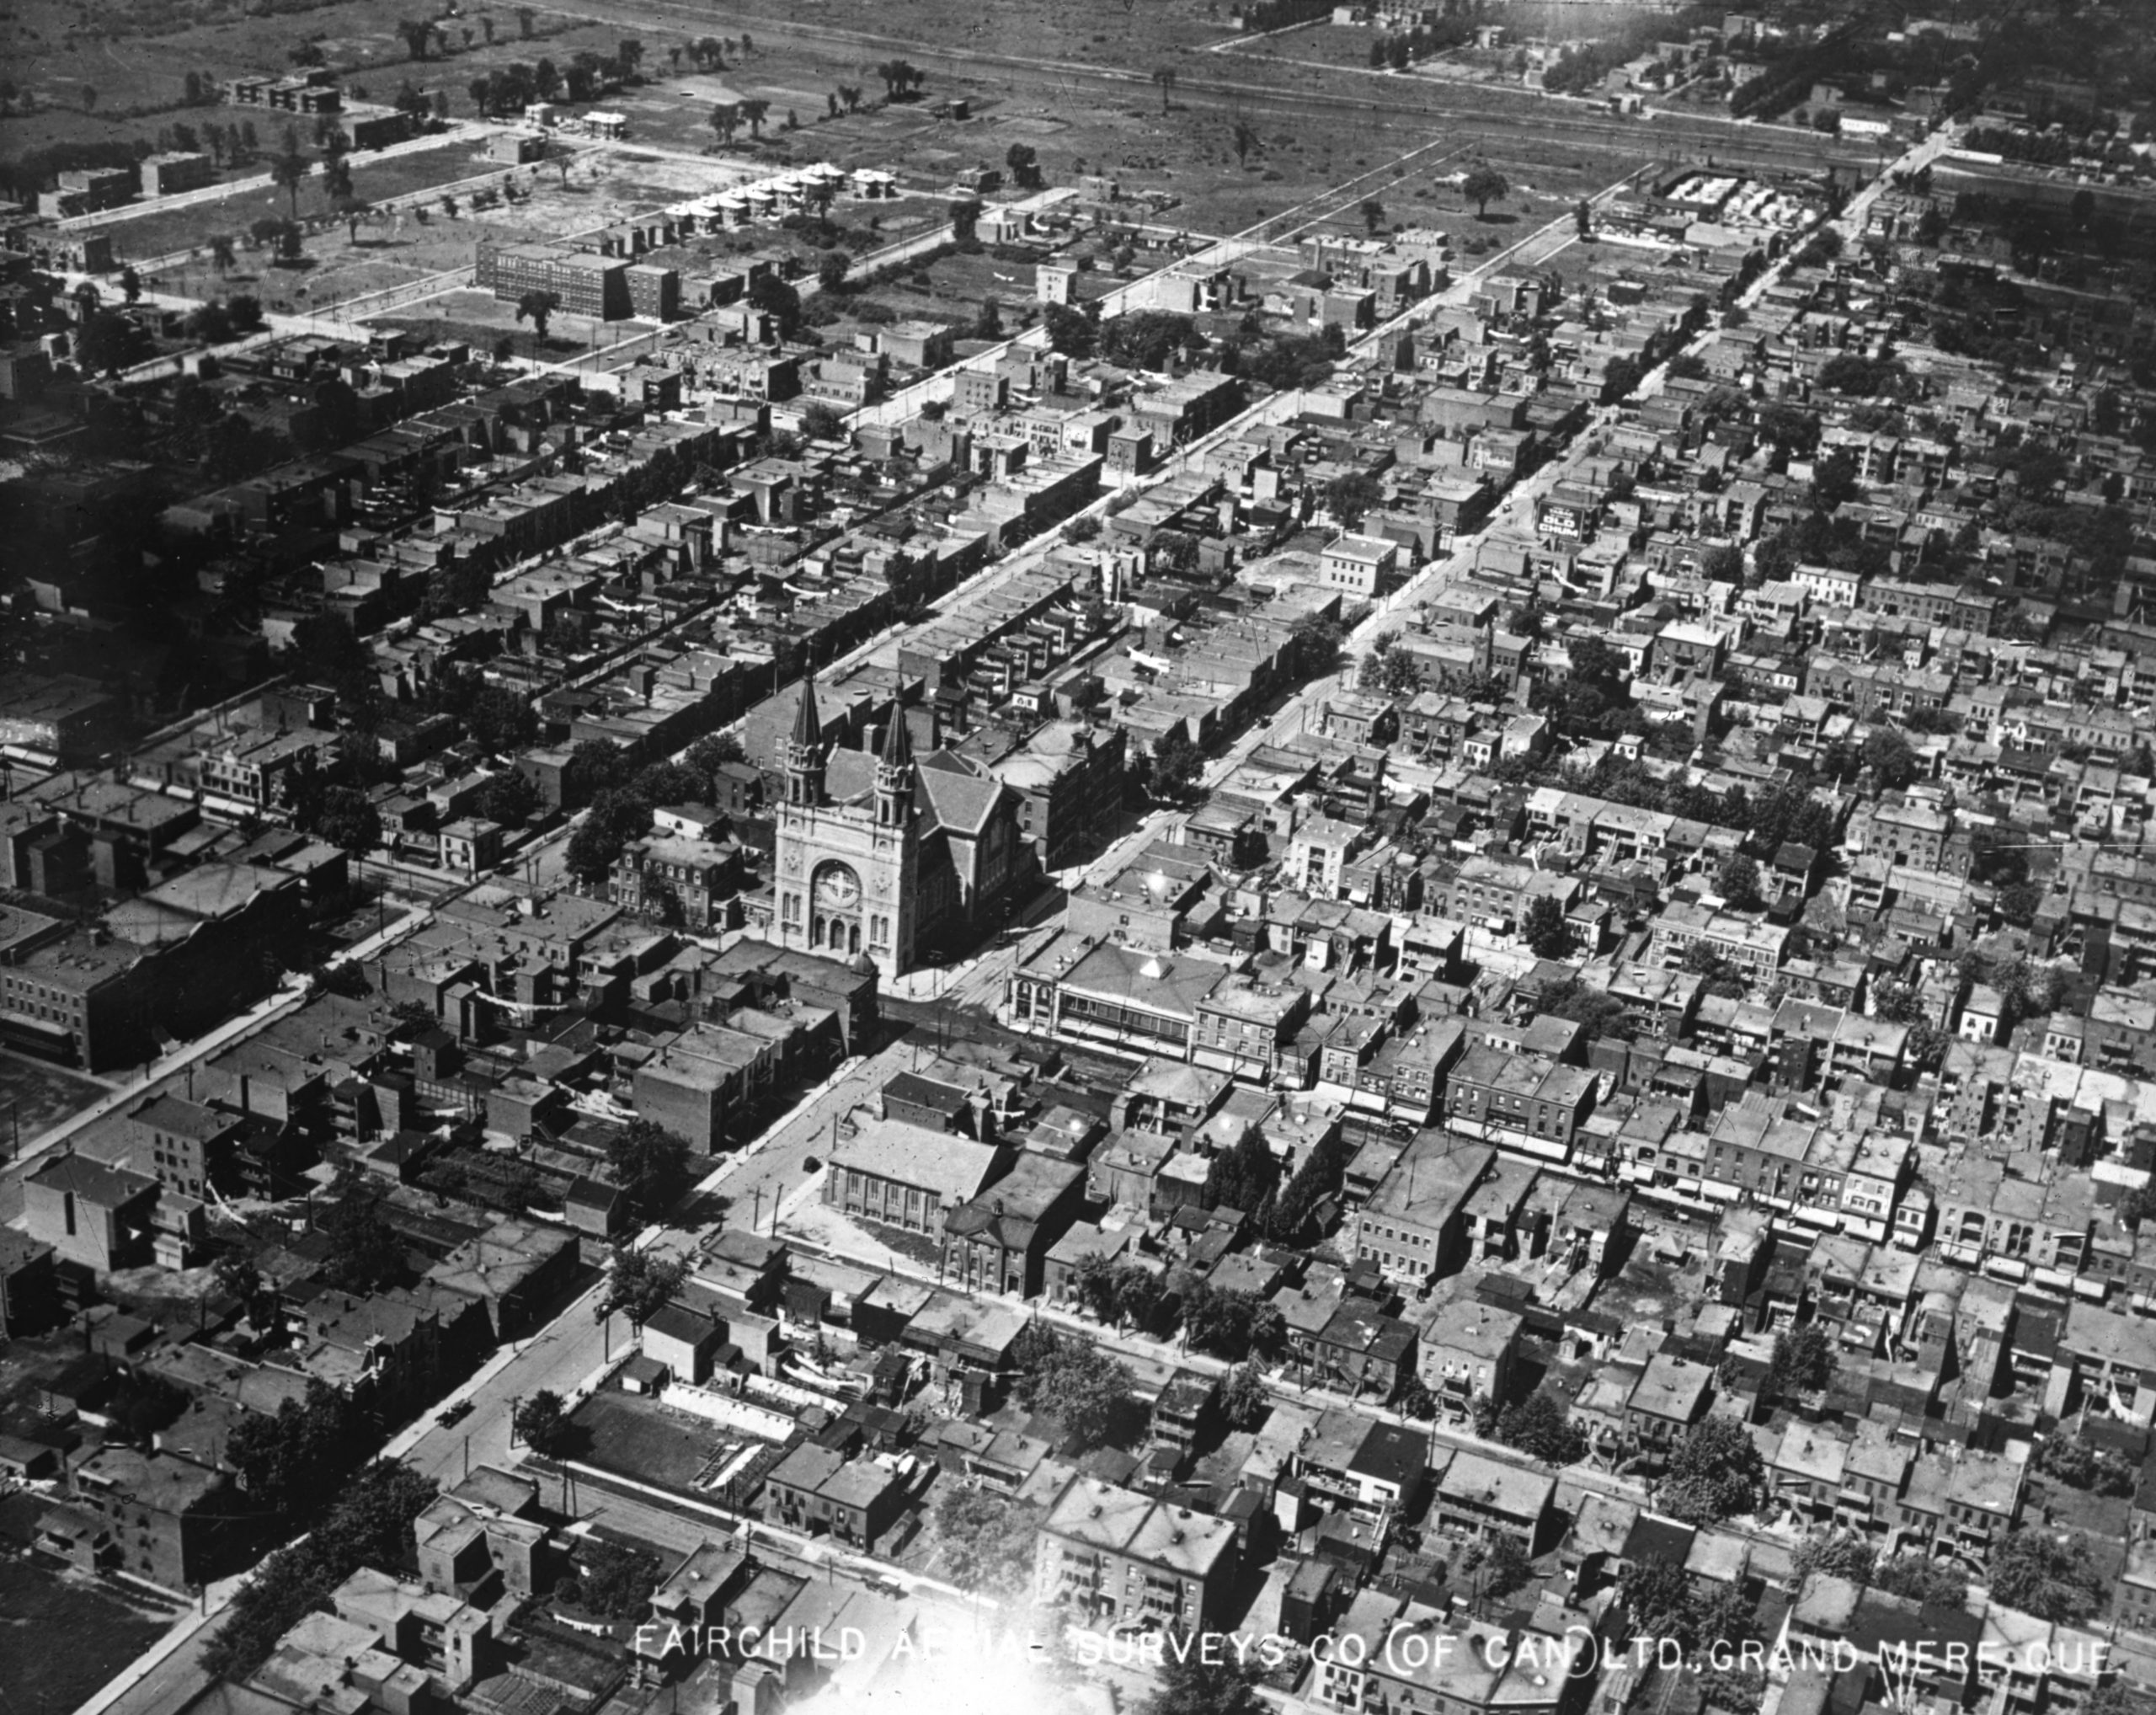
(894, 773)
(804, 751)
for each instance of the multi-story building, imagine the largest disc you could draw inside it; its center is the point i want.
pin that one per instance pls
(187, 1146)
(1118, 1557)
(161, 1518)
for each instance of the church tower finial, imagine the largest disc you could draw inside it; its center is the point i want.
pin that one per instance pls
(804, 750)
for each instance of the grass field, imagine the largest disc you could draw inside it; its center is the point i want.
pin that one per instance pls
(60, 1638)
(643, 1440)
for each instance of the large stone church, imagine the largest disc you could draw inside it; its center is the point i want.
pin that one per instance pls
(885, 855)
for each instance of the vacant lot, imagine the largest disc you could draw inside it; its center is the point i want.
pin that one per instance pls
(642, 1439)
(39, 1097)
(61, 1637)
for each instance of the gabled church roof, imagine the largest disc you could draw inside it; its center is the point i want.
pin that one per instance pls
(959, 801)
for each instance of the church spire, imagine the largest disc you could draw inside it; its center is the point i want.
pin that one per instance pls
(804, 750)
(894, 771)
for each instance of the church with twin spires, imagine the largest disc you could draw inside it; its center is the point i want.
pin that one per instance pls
(884, 855)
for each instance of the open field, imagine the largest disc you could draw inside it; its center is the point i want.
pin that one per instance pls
(138, 66)
(156, 232)
(481, 319)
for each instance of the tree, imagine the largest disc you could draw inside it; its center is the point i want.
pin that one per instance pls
(1351, 494)
(364, 1252)
(1891, 758)
(1737, 881)
(417, 32)
(987, 1538)
(614, 818)
(2078, 1463)
(1833, 480)
(2051, 1577)
(108, 342)
(286, 1458)
(1244, 1176)
(641, 1284)
(831, 269)
(1583, 219)
(593, 763)
(1835, 1553)
(542, 1423)
(508, 797)
(538, 306)
(1922, 1579)
(650, 1164)
(1082, 1389)
(237, 1273)
(1505, 1567)
(1024, 162)
(1205, 1682)
(709, 754)
(289, 168)
(1071, 331)
(369, 1523)
(1541, 1428)
(1545, 928)
(612, 1583)
(354, 210)
(143, 1403)
(752, 110)
(1243, 137)
(988, 324)
(1803, 1361)
(348, 819)
(1715, 1473)
(1228, 1323)
(1373, 212)
(1166, 77)
(1659, 1602)
(1176, 765)
(1483, 185)
(1244, 1401)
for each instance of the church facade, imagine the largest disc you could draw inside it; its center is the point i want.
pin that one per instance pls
(882, 854)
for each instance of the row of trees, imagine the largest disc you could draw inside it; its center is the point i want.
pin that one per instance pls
(1238, 1326)
(368, 1523)
(621, 814)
